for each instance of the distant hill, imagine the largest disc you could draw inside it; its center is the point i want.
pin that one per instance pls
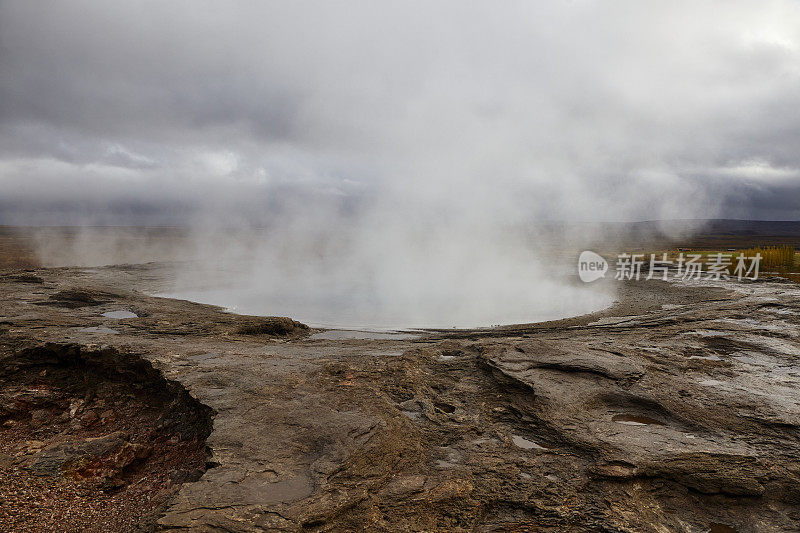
(714, 234)
(661, 234)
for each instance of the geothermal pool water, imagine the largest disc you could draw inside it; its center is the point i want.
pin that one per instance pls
(359, 311)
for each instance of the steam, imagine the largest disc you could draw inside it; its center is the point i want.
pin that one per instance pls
(393, 161)
(389, 278)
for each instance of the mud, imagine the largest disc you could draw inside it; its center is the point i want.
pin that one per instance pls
(616, 421)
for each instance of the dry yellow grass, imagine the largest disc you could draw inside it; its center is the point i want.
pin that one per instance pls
(774, 257)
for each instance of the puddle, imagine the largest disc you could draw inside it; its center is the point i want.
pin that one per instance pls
(341, 334)
(120, 314)
(636, 420)
(715, 527)
(99, 329)
(526, 444)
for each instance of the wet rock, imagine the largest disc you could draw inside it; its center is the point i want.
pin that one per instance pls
(640, 437)
(567, 357)
(711, 473)
(74, 298)
(274, 326)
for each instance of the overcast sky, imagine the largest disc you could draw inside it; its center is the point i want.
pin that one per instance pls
(459, 112)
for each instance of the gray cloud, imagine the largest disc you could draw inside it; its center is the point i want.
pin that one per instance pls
(567, 110)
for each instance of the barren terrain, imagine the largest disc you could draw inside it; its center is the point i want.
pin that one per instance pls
(674, 410)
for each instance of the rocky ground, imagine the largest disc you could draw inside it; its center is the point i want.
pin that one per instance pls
(674, 410)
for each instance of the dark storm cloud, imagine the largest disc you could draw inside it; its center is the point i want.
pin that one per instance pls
(751, 199)
(430, 111)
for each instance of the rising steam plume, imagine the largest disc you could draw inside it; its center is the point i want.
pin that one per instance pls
(394, 160)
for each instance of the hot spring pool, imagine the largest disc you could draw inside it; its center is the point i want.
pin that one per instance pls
(367, 311)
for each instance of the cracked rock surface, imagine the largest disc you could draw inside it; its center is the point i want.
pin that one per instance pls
(677, 409)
